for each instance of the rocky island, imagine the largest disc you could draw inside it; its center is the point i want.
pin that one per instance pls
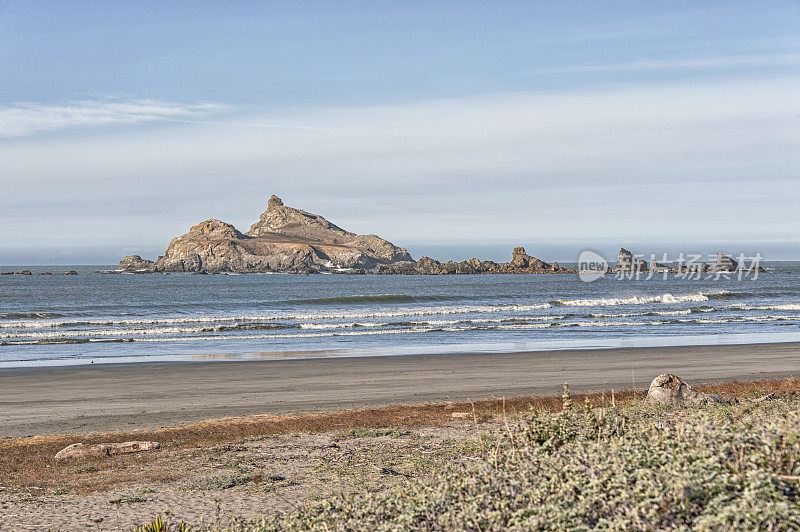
(284, 239)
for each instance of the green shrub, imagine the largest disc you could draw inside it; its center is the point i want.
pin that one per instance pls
(638, 467)
(159, 525)
(373, 433)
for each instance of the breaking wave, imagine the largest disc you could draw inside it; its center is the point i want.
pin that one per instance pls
(377, 298)
(634, 300)
(398, 312)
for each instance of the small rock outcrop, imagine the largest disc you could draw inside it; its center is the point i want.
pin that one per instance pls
(81, 450)
(520, 263)
(627, 263)
(724, 264)
(136, 264)
(669, 389)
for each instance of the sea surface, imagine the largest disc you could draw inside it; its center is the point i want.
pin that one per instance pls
(48, 320)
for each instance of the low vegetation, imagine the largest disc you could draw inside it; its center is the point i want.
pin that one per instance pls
(642, 467)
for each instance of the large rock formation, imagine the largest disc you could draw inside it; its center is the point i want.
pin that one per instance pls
(284, 239)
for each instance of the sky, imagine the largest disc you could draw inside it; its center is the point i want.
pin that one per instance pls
(455, 129)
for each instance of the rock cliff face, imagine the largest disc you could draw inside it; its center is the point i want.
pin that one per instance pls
(282, 221)
(284, 239)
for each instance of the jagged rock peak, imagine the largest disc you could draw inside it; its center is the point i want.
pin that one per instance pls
(274, 201)
(280, 218)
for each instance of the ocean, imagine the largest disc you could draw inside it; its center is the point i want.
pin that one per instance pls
(50, 320)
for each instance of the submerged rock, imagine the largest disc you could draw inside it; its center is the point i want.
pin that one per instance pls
(669, 389)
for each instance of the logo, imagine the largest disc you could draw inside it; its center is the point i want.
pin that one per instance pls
(591, 266)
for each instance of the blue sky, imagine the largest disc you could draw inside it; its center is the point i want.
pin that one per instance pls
(452, 128)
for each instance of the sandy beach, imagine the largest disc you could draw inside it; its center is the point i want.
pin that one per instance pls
(92, 398)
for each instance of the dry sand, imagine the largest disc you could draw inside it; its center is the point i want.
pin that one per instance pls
(126, 397)
(248, 478)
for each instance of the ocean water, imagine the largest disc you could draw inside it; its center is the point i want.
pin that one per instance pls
(97, 318)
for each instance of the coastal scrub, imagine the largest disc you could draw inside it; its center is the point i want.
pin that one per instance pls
(634, 467)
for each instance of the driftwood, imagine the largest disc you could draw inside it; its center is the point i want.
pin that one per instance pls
(81, 450)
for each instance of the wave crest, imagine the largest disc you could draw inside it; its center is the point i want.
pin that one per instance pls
(667, 299)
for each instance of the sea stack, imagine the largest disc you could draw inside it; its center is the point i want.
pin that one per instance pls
(284, 239)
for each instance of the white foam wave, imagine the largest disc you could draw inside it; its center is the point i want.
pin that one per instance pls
(634, 300)
(788, 306)
(339, 325)
(394, 313)
(619, 315)
(607, 323)
(672, 312)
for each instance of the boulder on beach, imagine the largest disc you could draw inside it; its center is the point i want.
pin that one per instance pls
(669, 389)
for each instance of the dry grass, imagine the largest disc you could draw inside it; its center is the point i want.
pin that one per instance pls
(27, 464)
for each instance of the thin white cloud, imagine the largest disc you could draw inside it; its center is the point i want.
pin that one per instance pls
(26, 119)
(247, 124)
(681, 160)
(730, 61)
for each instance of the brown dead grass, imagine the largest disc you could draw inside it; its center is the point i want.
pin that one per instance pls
(27, 464)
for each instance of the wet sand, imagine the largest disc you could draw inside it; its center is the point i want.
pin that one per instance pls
(103, 398)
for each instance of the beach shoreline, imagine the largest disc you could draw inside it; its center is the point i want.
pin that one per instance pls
(126, 397)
